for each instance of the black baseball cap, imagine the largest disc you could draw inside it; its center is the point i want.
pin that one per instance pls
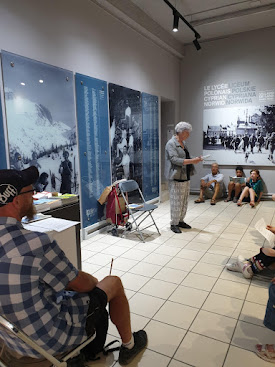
(13, 181)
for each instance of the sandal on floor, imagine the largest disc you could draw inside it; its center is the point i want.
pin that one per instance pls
(213, 202)
(239, 203)
(227, 199)
(252, 204)
(199, 201)
(262, 352)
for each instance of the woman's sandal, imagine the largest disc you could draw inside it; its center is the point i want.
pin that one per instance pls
(262, 352)
(213, 202)
(198, 201)
(227, 200)
(252, 204)
(239, 203)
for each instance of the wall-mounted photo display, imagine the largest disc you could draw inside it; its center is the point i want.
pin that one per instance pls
(94, 147)
(3, 163)
(125, 133)
(41, 124)
(239, 124)
(150, 146)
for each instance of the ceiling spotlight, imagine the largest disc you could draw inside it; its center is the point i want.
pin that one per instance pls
(196, 44)
(22, 83)
(176, 22)
(41, 81)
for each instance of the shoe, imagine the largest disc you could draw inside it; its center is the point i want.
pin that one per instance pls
(213, 202)
(127, 355)
(175, 229)
(184, 225)
(198, 201)
(245, 267)
(235, 199)
(233, 267)
(227, 199)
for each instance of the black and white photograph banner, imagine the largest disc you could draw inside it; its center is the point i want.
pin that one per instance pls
(125, 133)
(41, 121)
(239, 124)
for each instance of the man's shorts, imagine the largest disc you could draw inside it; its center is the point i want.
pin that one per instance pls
(98, 303)
(269, 320)
(97, 306)
(209, 192)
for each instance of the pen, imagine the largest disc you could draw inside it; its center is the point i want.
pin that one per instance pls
(111, 266)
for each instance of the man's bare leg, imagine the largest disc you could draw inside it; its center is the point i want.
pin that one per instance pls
(118, 306)
(216, 191)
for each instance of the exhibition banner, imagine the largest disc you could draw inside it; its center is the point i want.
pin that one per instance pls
(125, 133)
(41, 123)
(3, 162)
(150, 145)
(94, 146)
(239, 123)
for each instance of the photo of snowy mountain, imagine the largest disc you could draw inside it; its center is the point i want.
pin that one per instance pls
(41, 122)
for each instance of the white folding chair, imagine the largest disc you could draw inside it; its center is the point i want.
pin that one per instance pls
(13, 330)
(144, 210)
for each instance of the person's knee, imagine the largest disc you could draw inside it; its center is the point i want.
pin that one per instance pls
(238, 186)
(112, 286)
(231, 185)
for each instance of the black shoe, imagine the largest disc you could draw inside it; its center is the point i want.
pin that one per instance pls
(184, 225)
(127, 355)
(175, 229)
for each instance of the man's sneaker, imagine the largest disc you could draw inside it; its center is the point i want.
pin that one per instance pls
(127, 355)
(245, 266)
(184, 225)
(233, 267)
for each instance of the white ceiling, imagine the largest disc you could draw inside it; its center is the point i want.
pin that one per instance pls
(212, 19)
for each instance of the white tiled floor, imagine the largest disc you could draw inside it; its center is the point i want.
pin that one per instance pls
(196, 313)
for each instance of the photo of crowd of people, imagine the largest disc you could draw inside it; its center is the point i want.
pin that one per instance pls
(125, 133)
(244, 135)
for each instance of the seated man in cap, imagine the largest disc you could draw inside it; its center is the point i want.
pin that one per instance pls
(36, 275)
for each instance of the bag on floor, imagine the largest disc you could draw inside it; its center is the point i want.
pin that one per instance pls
(96, 346)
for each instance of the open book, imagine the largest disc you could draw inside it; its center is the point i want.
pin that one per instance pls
(261, 227)
(236, 179)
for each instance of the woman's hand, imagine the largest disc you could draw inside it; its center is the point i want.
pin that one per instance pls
(197, 160)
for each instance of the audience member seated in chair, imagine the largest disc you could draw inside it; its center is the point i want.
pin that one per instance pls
(249, 267)
(212, 186)
(235, 188)
(253, 190)
(42, 293)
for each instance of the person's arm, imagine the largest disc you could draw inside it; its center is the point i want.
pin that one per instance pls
(259, 197)
(84, 282)
(192, 160)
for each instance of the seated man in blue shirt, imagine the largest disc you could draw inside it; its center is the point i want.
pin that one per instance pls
(212, 186)
(35, 277)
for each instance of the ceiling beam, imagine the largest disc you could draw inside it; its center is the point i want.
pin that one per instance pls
(137, 19)
(232, 15)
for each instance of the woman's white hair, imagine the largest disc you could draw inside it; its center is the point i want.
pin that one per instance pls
(182, 126)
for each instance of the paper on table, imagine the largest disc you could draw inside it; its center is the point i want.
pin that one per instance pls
(50, 224)
(261, 227)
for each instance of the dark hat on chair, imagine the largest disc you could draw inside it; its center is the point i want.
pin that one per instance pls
(13, 181)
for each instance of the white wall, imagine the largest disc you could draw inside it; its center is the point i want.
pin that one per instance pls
(245, 56)
(79, 36)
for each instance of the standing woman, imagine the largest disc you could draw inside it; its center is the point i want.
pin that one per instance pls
(178, 169)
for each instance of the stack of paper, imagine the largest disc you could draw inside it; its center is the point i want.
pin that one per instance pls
(261, 227)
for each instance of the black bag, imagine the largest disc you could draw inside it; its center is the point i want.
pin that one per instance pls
(97, 345)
